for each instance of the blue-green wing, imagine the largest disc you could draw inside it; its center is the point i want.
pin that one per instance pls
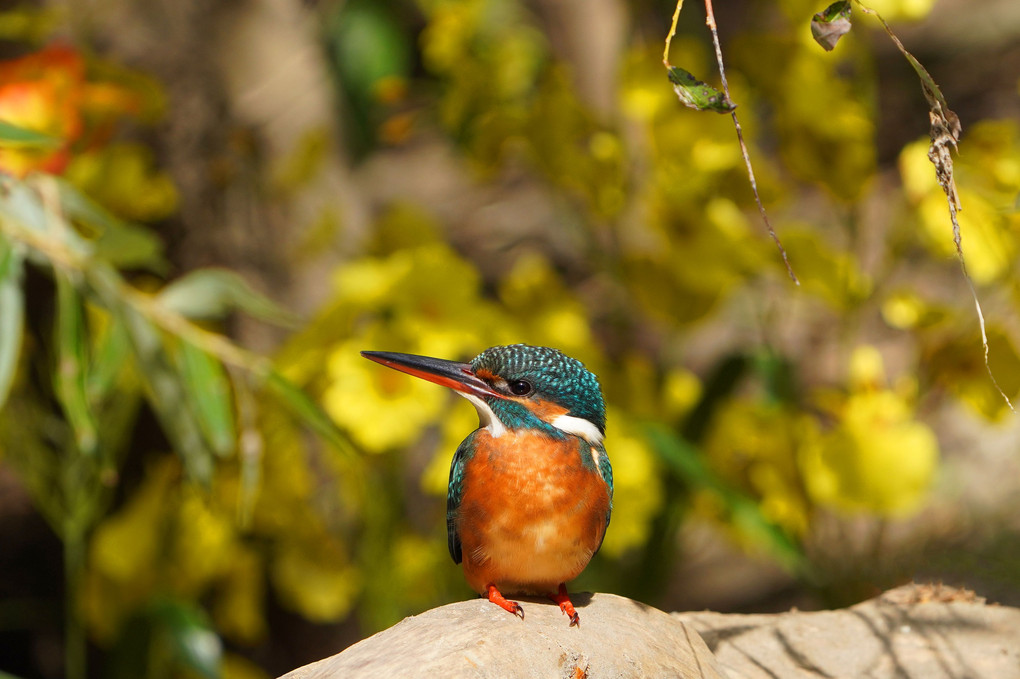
(454, 492)
(606, 472)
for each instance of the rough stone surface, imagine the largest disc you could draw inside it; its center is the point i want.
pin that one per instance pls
(914, 632)
(617, 637)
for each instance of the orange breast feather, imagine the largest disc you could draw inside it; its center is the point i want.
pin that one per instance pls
(531, 515)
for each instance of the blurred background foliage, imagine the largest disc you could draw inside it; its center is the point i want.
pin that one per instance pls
(440, 176)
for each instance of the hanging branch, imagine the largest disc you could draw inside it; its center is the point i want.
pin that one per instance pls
(827, 27)
(695, 94)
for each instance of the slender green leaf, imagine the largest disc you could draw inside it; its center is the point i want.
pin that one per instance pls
(13, 135)
(166, 394)
(120, 243)
(12, 315)
(192, 641)
(214, 293)
(21, 205)
(108, 352)
(251, 446)
(169, 637)
(306, 411)
(695, 94)
(684, 460)
(208, 387)
(72, 359)
(831, 24)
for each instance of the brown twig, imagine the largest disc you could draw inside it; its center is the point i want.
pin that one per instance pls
(710, 21)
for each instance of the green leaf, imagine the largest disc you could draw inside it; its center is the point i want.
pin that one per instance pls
(20, 204)
(72, 359)
(121, 243)
(684, 460)
(208, 388)
(831, 24)
(107, 359)
(192, 641)
(697, 95)
(12, 315)
(306, 411)
(168, 638)
(165, 393)
(209, 294)
(13, 135)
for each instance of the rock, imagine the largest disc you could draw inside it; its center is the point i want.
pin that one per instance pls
(921, 632)
(617, 637)
(914, 632)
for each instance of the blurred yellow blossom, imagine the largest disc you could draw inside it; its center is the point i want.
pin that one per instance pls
(680, 392)
(637, 484)
(831, 274)
(877, 458)
(957, 365)
(988, 178)
(238, 607)
(315, 580)
(204, 543)
(904, 309)
(988, 237)
(901, 10)
(380, 408)
(755, 445)
(124, 551)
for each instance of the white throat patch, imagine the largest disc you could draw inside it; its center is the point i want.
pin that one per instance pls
(568, 424)
(578, 426)
(486, 417)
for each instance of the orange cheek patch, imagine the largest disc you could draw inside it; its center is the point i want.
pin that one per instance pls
(547, 411)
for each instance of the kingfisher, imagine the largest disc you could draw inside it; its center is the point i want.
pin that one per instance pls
(531, 490)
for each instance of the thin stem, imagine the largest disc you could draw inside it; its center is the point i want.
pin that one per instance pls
(672, 32)
(710, 21)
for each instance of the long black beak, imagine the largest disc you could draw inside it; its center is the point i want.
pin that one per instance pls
(458, 376)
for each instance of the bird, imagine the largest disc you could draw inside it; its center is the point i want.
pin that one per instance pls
(531, 489)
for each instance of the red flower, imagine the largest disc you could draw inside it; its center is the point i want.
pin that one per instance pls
(48, 92)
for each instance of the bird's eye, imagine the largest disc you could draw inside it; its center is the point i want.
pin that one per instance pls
(519, 387)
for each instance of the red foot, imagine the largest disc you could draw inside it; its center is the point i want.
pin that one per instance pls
(498, 599)
(563, 599)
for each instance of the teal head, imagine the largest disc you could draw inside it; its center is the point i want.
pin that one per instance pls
(517, 386)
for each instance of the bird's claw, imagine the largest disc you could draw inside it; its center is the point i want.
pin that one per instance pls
(509, 606)
(563, 599)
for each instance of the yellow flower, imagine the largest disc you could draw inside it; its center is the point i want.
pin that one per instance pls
(382, 409)
(958, 366)
(833, 275)
(204, 543)
(754, 445)
(315, 580)
(125, 552)
(902, 10)
(877, 458)
(987, 179)
(637, 484)
(905, 309)
(238, 606)
(987, 236)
